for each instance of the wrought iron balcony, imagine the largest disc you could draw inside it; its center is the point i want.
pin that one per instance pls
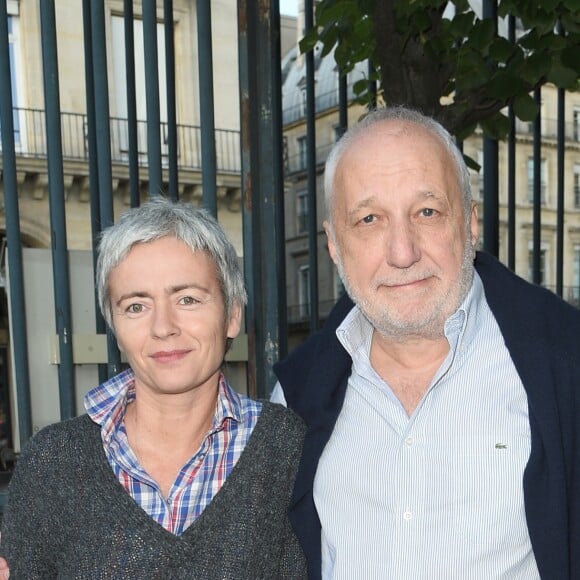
(30, 140)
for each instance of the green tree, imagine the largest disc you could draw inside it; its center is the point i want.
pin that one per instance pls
(440, 57)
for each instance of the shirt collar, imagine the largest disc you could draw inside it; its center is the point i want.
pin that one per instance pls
(355, 332)
(106, 403)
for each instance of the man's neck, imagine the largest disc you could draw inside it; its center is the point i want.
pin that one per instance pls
(408, 366)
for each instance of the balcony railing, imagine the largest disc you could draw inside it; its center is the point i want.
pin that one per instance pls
(549, 129)
(30, 140)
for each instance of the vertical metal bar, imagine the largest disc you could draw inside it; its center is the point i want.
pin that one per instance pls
(103, 145)
(311, 173)
(152, 97)
(133, 140)
(537, 201)
(206, 106)
(560, 152)
(100, 324)
(12, 213)
(511, 163)
(342, 104)
(490, 171)
(60, 269)
(372, 86)
(171, 107)
(246, 49)
(261, 106)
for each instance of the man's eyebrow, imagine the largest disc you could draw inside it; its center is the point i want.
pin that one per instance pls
(361, 205)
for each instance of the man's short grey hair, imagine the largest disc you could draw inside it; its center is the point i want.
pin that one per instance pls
(160, 218)
(406, 115)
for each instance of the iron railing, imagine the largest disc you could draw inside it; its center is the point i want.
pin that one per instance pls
(30, 140)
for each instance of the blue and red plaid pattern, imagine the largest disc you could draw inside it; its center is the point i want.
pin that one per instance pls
(200, 478)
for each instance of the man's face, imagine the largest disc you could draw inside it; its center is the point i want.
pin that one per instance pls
(399, 235)
(169, 316)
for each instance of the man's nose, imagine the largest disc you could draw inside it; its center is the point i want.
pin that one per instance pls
(402, 245)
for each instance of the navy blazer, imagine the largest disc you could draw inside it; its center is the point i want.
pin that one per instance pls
(542, 334)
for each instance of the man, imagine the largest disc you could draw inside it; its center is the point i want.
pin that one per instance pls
(440, 397)
(171, 473)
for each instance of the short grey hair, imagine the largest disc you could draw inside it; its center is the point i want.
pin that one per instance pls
(406, 115)
(159, 218)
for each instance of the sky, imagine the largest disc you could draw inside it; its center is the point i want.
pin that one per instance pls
(289, 7)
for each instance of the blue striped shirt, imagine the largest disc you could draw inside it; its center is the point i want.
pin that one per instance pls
(200, 478)
(438, 494)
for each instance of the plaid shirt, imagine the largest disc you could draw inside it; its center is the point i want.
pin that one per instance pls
(200, 478)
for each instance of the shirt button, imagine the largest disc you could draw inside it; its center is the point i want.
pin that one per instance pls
(409, 441)
(407, 515)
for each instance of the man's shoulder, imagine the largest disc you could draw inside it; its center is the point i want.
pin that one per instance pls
(313, 373)
(507, 292)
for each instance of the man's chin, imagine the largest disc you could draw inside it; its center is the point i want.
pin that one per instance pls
(415, 326)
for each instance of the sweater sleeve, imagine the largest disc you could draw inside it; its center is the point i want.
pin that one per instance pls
(28, 526)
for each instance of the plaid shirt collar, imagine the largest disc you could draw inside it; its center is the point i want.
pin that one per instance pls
(106, 403)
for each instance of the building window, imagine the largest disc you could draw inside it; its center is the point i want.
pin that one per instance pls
(543, 273)
(304, 290)
(302, 153)
(575, 295)
(577, 186)
(302, 212)
(15, 76)
(576, 124)
(543, 180)
(303, 99)
(120, 83)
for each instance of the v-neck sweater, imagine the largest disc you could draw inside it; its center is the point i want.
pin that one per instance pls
(69, 517)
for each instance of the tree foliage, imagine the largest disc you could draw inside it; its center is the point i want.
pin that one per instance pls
(442, 58)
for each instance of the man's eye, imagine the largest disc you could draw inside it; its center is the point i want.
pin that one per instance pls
(428, 212)
(368, 219)
(188, 300)
(135, 308)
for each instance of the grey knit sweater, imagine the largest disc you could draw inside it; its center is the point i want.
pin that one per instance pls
(69, 517)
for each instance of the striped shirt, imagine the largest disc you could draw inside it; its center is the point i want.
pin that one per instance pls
(200, 478)
(438, 494)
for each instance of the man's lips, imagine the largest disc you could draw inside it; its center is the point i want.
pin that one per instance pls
(164, 356)
(404, 283)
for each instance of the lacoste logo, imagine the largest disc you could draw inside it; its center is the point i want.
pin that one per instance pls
(501, 445)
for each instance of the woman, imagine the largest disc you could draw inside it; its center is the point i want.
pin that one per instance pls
(171, 473)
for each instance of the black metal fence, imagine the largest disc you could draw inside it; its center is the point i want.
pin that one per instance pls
(256, 154)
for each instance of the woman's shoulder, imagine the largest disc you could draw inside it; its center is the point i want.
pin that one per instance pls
(57, 435)
(282, 417)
